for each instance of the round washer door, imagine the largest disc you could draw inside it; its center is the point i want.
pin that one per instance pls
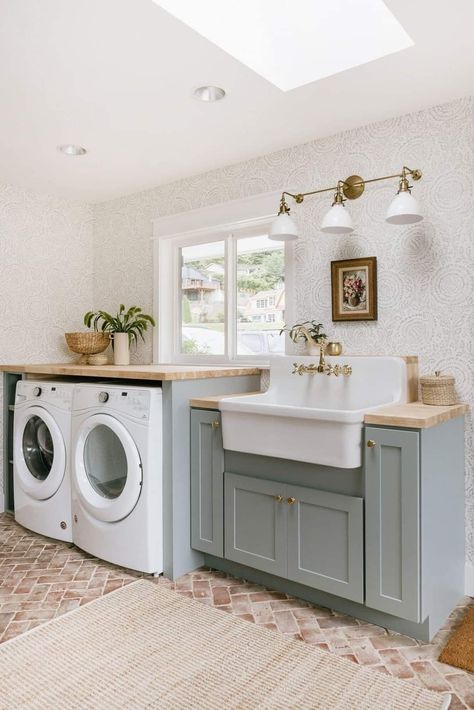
(107, 468)
(39, 451)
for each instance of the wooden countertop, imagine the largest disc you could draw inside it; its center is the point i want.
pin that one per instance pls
(213, 402)
(133, 372)
(414, 415)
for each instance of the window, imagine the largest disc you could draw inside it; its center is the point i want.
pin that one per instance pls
(219, 285)
(255, 267)
(203, 298)
(260, 277)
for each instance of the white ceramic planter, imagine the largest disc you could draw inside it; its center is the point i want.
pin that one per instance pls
(121, 349)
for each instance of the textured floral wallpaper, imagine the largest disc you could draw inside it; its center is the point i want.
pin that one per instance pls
(425, 271)
(46, 259)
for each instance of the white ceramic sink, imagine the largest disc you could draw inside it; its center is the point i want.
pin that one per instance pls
(313, 417)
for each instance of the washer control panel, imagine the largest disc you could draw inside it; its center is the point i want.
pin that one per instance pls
(55, 393)
(103, 397)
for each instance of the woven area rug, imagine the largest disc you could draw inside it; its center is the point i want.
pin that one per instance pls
(459, 651)
(146, 646)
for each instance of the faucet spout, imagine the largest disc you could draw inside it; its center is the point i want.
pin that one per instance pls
(322, 361)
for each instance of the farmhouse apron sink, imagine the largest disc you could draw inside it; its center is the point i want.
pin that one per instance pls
(313, 417)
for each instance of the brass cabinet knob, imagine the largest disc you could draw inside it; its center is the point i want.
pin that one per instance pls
(371, 443)
(215, 424)
(291, 500)
(278, 499)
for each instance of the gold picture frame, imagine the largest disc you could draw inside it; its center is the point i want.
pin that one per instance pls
(354, 289)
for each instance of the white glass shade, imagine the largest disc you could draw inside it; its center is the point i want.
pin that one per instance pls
(283, 229)
(337, 220)
(403, 209)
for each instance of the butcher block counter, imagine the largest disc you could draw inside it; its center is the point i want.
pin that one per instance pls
(414, 415)
(133, 372)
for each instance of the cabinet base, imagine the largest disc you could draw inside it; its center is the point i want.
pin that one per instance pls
(423, 631)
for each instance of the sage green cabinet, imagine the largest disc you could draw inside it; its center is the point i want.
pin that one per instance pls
(386, 539)
(207, 482)
(256, 523)
(303, 534)
(392, 518)
(326, 541)
(10, 380)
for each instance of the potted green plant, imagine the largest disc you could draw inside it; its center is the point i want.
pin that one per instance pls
(125, 328)
(309, 332)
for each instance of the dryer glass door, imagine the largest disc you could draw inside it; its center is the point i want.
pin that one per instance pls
(107, 472)
(105, 462)
(39, 452)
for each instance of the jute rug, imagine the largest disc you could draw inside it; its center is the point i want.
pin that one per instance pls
(459, 651)
(144, 646)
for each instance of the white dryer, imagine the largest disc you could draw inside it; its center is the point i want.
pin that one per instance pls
(41, 454)
(117, 474)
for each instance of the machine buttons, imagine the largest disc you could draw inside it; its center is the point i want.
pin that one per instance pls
(37, 391)
(103, 397)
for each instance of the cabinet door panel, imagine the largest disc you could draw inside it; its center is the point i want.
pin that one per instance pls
(325, 542)
(392, 481)
(207, 483)
(255, 523)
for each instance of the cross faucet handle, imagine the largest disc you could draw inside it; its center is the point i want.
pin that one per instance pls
(337, 370)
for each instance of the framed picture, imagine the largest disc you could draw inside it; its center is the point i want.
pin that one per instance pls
(354, 289)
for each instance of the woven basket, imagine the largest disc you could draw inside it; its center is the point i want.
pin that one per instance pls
(438, 389)
(87, 343)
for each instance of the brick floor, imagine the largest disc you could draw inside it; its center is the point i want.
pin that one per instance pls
(41, 579)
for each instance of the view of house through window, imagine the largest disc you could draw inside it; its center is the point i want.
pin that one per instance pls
(260, 296)
(258, 300)
(203, 299)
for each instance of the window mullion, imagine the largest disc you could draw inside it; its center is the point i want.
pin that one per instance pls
(176, 267)
(231, 296)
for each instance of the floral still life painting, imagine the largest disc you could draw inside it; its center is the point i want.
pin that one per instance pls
(354, 289)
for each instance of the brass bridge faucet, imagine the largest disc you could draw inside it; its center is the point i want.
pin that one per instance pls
(322, 368)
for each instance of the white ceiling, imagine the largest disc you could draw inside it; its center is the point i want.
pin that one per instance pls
(117, 76)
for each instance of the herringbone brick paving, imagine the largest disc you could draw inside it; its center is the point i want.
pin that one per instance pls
(41, 579)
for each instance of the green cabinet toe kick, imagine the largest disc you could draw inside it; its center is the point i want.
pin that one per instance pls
(384, 543)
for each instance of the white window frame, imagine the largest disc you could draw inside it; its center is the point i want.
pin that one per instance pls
(239, 218)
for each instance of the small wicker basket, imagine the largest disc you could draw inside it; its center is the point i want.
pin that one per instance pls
(87, 343)
(438, 389)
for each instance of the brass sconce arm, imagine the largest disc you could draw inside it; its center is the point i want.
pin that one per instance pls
(352, 187)
(299, 197)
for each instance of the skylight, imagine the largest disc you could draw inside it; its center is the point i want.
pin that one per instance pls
(295, 43)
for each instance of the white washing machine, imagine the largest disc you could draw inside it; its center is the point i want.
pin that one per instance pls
(41, 457)
(117, 474)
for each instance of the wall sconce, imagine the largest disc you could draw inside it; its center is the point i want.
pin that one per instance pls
(403, 209)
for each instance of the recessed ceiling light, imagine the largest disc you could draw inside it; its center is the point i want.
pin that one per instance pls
(71, 149)
(294, 47)
(209, 93)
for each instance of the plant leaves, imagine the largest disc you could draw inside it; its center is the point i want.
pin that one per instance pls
(132, 321)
